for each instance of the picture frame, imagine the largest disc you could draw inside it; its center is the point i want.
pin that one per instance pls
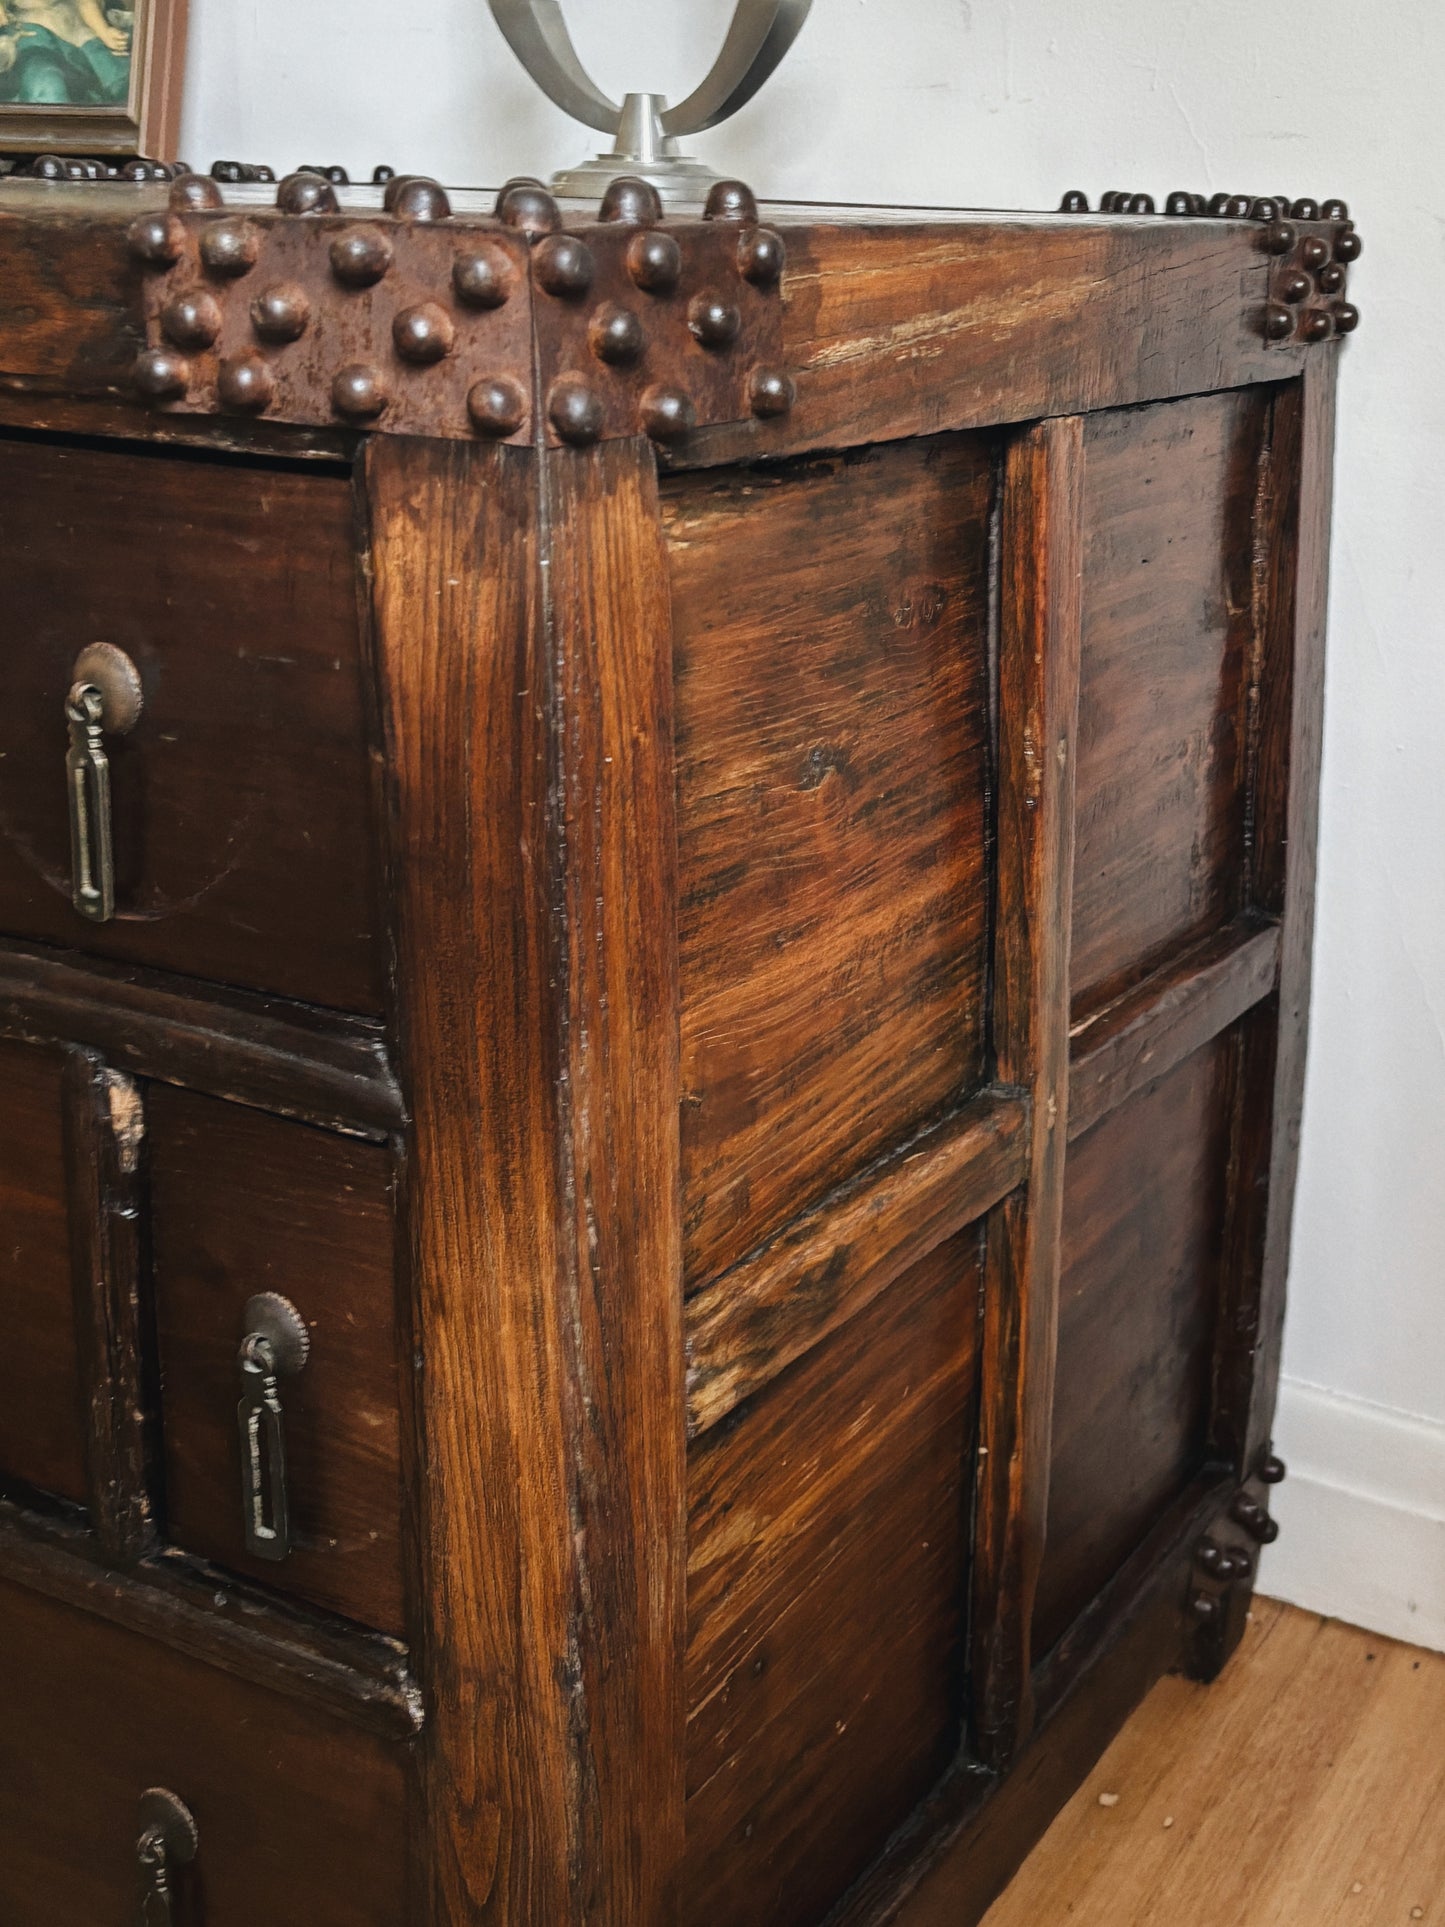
(89, 78)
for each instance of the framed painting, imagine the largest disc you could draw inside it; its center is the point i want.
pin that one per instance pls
(91, 77)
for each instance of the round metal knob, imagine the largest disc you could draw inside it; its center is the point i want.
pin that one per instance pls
(358, 392)
(245, 383)
(361, 256)
(616, 335)
(497, 407)
(654, 261)
(667, 413)
(230, 247)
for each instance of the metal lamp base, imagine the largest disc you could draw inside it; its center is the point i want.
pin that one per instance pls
(646, 128)
(643, 149)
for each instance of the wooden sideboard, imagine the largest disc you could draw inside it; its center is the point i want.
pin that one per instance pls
(652, 1012)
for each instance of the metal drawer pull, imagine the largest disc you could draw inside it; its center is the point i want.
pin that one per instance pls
(276, 1346)
(105, 695)
(168, 1840)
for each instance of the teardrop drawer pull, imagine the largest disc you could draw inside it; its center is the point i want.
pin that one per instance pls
(168, 1840)
(276, 1346)
(105, 695)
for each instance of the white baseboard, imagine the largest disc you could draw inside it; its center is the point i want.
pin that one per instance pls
(1362, 1515)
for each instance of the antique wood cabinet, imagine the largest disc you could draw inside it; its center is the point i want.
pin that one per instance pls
(656, 889)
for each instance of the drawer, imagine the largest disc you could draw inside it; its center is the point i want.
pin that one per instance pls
(297, 1818)
(239, 799)
(245, 1205)
(42, 1435)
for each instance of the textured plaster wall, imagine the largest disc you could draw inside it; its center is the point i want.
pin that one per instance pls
(1002, 103)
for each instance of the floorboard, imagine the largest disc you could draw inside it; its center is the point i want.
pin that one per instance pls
(1305, 1789)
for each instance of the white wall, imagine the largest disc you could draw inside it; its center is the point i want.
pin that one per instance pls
(1005, 103)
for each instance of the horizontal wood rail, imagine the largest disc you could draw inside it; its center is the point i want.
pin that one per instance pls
(1167, 1017)
(749, 1324)
(353, 1675)
(323, 1067)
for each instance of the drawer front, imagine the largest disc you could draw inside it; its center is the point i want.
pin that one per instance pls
(239, 812)
(42, 1437)
(297, 1817)
(244, 1204)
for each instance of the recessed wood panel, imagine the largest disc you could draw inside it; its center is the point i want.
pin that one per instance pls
(1168, 617)
(299, 1818)
(240, 798)
(1143, 1225)
(42, 1435)
(243, 1203)
(830, 627)
(828, 1520)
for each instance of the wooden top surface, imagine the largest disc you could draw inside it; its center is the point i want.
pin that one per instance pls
(893, 321)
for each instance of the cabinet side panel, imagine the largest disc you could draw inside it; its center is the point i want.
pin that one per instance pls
(826, 1602)
(1143, 1214)
(830, 624)
(1169, 501)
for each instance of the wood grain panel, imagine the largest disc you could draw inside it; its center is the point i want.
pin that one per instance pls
(42, 1430)
(243, 1203)
(830, 630)
(300, 1818)
(1143, 1209)
(1168, 611)
(242, 825)
(826, 1602)
(903, 322)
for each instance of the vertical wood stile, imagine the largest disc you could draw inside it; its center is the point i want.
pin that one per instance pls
(611, 623)
(1293, 554)
(522, 640)
(104, 1133)
(462, 676)
(1039, 647)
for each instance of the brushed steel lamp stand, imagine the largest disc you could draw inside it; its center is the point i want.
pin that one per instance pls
(645, 129)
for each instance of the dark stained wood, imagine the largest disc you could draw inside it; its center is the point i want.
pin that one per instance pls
(831, 1262)
(242, 831)
(1198, 1507)
(243, 1203)
(650, 1016)
(826, 1602)
(1169, 500)
(959, 1854)
(43, 1434)
(299, 1818)
(189, 1607)
(104, 1142)
(612, 637)
(70, 314)
(831, 730)
(1143, 1208)
(1156, 1024)
(899, 324)
(324, 1068)
(463, 669)
(1294, 556)
(1038, 695)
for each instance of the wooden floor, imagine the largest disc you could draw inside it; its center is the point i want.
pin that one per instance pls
(1305, 1789)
